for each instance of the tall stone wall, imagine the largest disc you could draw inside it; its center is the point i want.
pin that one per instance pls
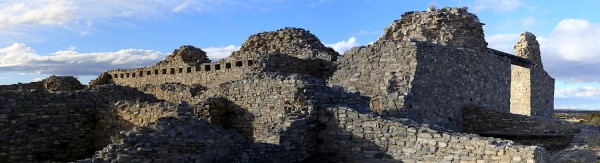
(38, 126)
(413, 79)
(427, 66)
(448, 79)
(532, 89)
(352, 136)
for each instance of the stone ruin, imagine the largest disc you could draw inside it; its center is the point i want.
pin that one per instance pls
(428, 90)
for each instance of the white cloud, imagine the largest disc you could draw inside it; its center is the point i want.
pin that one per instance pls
(504, 42)
(528, 21)
(576, 40)
(20, 17)
(344, 46)
(498, 5)
(35, 12)
(571, 51)
(216, 53)
(578, 92)
(23, 59)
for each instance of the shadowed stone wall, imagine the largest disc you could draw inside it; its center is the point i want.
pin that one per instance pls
(408, 76)
(426, 82)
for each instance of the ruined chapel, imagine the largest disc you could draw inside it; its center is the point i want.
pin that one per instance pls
(428, 90)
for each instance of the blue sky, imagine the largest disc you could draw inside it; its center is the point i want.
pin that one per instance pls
(85, 37)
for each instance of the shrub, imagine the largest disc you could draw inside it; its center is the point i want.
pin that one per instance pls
(593, 118)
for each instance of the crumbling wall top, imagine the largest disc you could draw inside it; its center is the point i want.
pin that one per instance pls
(296, 42)
(186, 54)
(528, 47)
(454, 27)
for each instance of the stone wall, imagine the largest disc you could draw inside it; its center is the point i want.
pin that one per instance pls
(175, 92)
(173, 140)
(427, 82)
(351, 136)
(427, 66)
(38, 126)
(478, 120)
(270, 110)
(447, 79)
(548, 133)
(383, 71)
(206, 74)
(124, 115)
(532, 89)
(42, 126)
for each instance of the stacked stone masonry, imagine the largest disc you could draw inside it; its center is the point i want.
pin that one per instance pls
(548, 133)
(285, 97)
(532, 89)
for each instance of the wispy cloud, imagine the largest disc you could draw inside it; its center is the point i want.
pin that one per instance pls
(343, 46)
(528, 21)
(23, 59)
(497, 5)
(578, 92)
(21, 17)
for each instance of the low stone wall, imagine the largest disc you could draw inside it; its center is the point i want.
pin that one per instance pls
(124, 115)
(174, 140)
(548, 133)
(52, 83)
(477, 120)
(351, 136)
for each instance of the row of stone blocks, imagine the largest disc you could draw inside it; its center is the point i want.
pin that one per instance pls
(157, 70)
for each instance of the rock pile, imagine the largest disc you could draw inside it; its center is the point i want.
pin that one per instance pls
(454, 27)
(186, 54)
(295, 42)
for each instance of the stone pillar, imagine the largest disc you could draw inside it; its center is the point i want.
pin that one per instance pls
(532, 89)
